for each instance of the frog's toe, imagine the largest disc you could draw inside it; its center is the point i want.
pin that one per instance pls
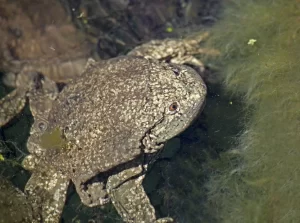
(29, 162)
(93, 195)
(164, 220)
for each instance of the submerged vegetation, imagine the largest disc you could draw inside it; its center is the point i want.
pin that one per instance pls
(260, 45)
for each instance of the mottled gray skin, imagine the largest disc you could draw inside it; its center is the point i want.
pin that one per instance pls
(108, 122)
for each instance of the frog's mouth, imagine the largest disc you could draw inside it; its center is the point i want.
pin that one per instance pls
(169, 126)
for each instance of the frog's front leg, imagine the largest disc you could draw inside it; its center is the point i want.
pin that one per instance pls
(129, 198)
(46, 191)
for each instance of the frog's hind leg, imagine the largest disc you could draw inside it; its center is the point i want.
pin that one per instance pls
(46, 192)
(41, 91)
(131, 201)
(13, 103)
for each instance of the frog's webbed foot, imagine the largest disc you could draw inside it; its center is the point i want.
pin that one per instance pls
(189, 59)
(130, 199)
(93, 195)
(178, 51)
(46, 192)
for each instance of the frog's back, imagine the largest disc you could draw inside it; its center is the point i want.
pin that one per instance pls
(97, 113)
(109, 115)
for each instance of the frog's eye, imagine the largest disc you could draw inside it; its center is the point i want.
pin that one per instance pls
(42, 126)
(174, 107)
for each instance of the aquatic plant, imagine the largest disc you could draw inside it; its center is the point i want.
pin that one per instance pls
(259, 41)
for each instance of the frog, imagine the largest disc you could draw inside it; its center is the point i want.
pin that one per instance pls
(101, 135)
(118, 180)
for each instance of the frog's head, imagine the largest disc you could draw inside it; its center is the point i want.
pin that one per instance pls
(179, 100)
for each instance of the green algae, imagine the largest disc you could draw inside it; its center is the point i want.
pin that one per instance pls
(264, 187)
(53, 140)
